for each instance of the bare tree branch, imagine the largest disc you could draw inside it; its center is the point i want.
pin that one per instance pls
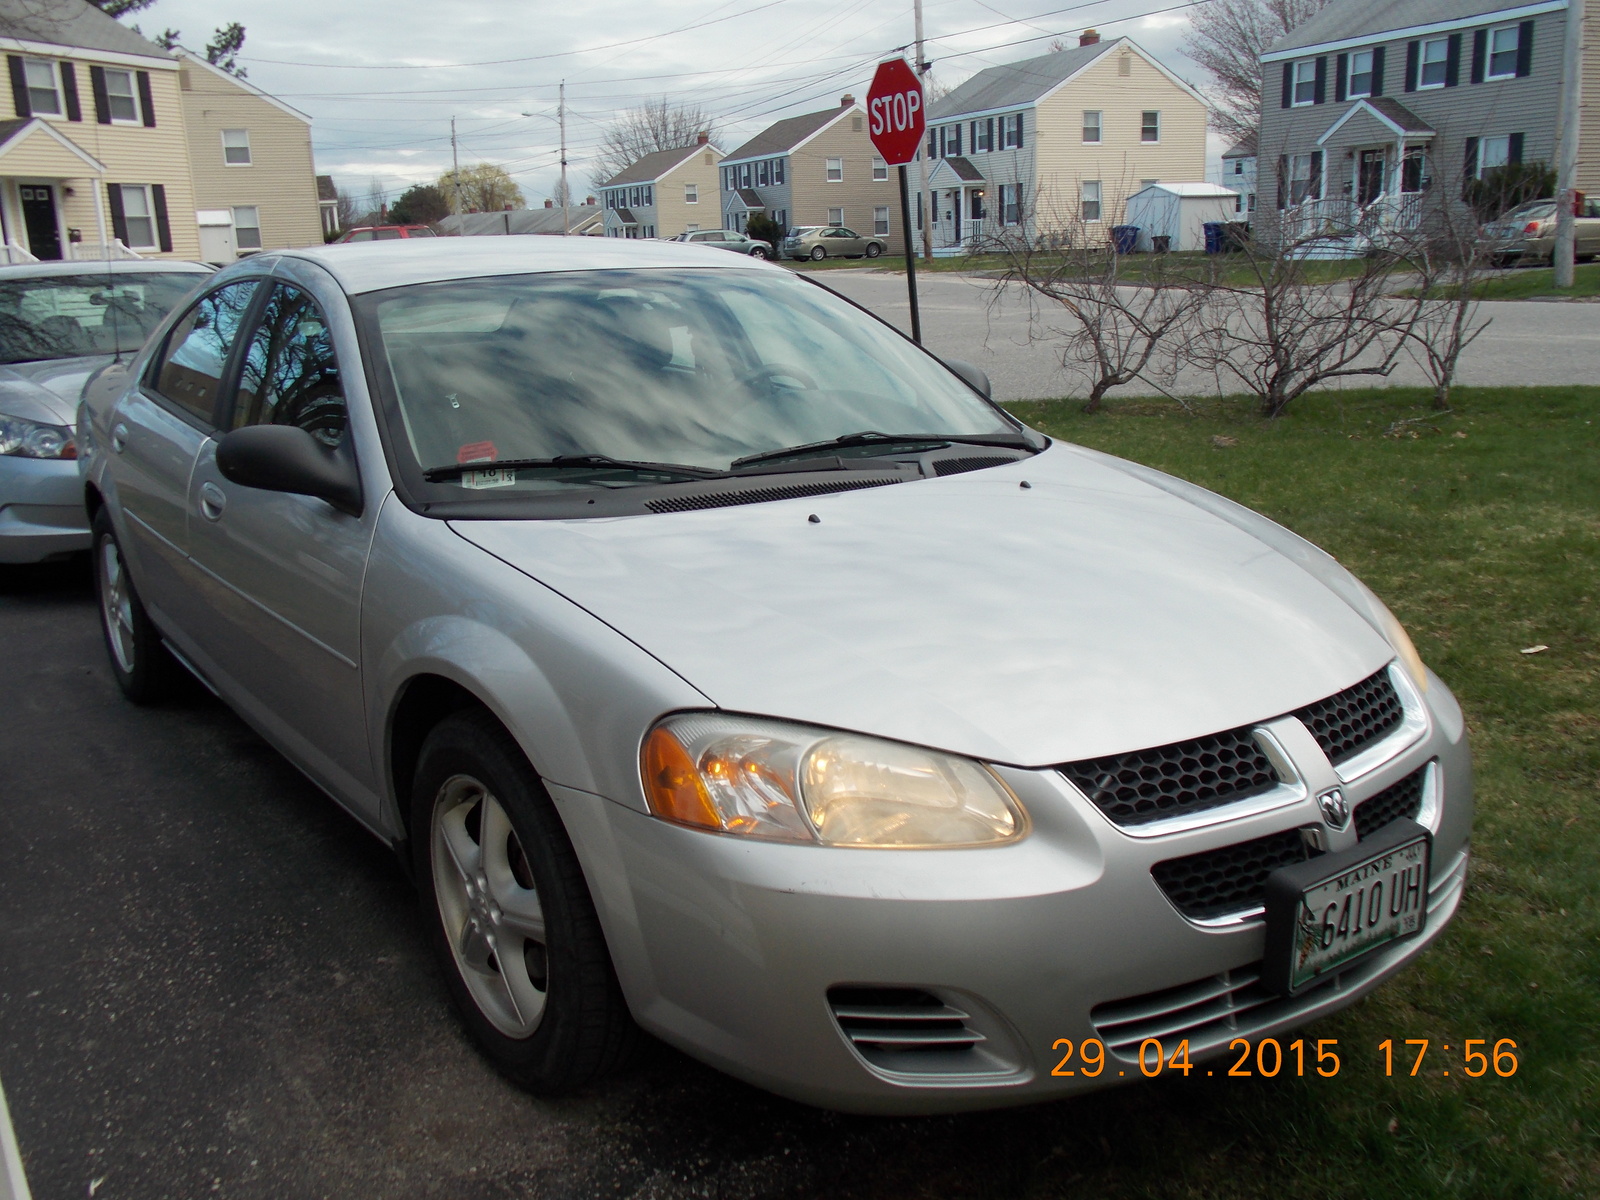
(1228, 38)
(654, 125)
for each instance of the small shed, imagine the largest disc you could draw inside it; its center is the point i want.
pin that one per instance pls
(1179, 212)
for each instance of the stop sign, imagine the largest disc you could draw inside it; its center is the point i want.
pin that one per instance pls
(895, 119)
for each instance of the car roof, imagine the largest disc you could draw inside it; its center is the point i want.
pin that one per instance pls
(373, 266)
(144, 266)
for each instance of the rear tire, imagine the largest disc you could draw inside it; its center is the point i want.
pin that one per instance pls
(818, 254)
(509, 913)
(144, 670)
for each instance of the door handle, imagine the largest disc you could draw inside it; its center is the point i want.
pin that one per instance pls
(212, 501)
(119, 437)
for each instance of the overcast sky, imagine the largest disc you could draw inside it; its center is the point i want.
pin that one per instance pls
(382, 83)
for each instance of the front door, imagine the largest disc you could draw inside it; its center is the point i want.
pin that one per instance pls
(39, 216)
(1369, 177)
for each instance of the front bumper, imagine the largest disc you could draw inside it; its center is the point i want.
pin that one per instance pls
(41, 509)
(729, 948)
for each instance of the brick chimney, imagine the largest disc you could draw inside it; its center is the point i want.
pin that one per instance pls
(702, 138)
(846, 100)
(1089, 37)
(588, 200)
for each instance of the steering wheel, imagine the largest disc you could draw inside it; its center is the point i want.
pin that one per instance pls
(771, 374)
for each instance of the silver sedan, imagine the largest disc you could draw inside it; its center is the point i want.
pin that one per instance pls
(726, 666)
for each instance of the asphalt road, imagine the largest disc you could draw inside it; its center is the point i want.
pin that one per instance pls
(213, 983)
(966, 317)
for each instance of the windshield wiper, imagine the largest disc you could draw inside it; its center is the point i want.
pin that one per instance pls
(567, 461)
(871, 437)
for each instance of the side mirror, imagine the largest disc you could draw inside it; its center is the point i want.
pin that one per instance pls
(285, 458)
(975, 377)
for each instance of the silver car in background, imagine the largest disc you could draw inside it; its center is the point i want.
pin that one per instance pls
(60, 323)
(725, 665)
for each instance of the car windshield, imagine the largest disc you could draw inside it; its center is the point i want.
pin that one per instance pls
(77, 316)
(697, 368)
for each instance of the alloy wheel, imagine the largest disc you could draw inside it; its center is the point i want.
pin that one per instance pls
(116, 604)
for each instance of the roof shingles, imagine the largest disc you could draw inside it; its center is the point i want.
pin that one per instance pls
(1020, 83)
(783, 136)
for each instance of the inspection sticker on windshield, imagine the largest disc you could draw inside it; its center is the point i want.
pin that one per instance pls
(488, 479)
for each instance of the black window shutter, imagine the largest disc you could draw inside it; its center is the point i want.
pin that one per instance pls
(1377, 71)
(1341, 75)
(1413, 58)
(119, 218)
(1288, 88)
(1525, 50)
(69, 89)
(1514, 150)
(1283, 181)
(1019, 131)
(1314, 185)
(102, 100)
(1452, 61)
(19, 86)
(1319, 91)
(158, 194)
(1469, 161)
(1480, 52)
(145, 101)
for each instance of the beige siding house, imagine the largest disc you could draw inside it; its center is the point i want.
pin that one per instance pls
(93, 151)
(663, 194)
(1055, 145)
(250, 156)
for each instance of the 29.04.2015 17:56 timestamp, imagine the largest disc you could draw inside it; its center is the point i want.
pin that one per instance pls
(1267, 1058)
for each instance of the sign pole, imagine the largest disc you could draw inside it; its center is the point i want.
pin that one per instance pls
(911, 256)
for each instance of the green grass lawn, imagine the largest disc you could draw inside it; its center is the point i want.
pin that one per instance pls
(1483, 544)
(1534, 282)
(1135, 268)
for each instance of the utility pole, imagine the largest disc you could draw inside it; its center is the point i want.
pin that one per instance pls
(455, 170)
(922, 153)
(1567, 157)
(566, 198)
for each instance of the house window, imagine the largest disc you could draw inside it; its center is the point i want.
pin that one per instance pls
(1435, 60)
(1091, 200)
(691, 193)
(1503, 46)
(1305, 82)
(1251, 207)
(781, 217)
(1493, 152)
(880, 221)
(975, 206)
(952, 141)
(649, 195)
(836, 170)
(1150, 127)
(880, 169)
(120, 96)
(763, 173)
(983, 135)
(247, 227)
(727, 179)
(744, 175)
(1008, 204)
(836, 216)
(1413, 175)
(777, 170)
(138, 216)
(1238, 166)
(1360, 75)
(1305, 177)
(236, 147)
(1011, 130)
(1238, 202)
(42, 94)
(1091, 128)
(933, 142)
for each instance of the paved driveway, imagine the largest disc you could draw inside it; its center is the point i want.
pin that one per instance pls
(1527, 342)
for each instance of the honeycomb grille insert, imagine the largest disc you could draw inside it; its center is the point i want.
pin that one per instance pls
(1171, 781)
(1346, 724)
(792, 491)
(1229, 880)
(1403, 799)
(971, 462)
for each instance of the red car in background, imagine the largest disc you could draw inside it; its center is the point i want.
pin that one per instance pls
(380, 233)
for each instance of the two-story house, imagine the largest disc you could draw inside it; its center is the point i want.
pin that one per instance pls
(1239, 176)
(815, 169)
(1054, 145)
(663, 194)
(94, 151)
(250, 157)
(1368, 105)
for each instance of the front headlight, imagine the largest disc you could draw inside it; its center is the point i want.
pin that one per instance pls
(1395, 634)
(773, 780)
(22, 438)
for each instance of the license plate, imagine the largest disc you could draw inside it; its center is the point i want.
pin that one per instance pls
(1324, 914)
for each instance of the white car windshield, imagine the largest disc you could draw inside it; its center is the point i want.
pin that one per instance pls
(698, 368)
(79, 316)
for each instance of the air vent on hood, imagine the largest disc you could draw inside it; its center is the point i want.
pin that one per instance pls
(790, 491)
(1346, 724)
(970, 462)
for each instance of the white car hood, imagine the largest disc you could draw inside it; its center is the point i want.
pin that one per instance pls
(48, 390)
(1090, 613)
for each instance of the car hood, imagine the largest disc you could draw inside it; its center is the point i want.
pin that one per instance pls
(1088, 613)
(49, 389)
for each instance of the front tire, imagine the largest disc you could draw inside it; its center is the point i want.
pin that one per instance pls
(873, 249)
(509, 914)
(144, 670)
(758, 252)
(818, 254)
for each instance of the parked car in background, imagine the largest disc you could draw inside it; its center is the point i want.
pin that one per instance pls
(59, 323)
(723, 662)
(385, 233)
(1528, 234)
(818, 242)
(728, 239)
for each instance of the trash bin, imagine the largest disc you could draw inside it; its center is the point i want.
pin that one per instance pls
(1125, 238)
(1214, 236)
(1235, 236)
(1161, 243)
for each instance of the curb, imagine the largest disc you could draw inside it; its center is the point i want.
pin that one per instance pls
(13, 1184)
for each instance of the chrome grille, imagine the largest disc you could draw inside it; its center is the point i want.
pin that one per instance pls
(1231, 879)
(1170, 781)
(1403, 799)
(1346, 724)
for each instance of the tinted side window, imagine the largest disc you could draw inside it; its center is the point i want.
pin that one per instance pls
(290, 375)
(197, 349)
